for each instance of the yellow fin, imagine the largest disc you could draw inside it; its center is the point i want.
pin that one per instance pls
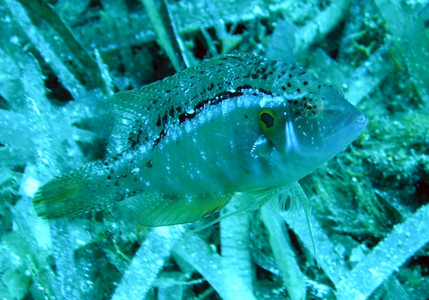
(161, 210)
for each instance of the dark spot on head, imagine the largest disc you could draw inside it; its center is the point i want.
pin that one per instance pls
(109, 177)
(288, 84)
(149, 164)
(283, 88)
(298, 90)
(305, 83)
(246, 116)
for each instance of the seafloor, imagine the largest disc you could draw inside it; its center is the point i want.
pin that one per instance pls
(369, 205)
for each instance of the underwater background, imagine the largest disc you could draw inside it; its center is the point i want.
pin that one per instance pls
(369, 205)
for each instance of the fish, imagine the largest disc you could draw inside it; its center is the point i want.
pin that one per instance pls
(180, 148)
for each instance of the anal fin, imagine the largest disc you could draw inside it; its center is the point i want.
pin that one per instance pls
(154, 209)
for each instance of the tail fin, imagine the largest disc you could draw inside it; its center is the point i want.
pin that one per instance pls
(70, 194)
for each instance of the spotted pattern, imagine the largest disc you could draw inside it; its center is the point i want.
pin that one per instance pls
(178, 99)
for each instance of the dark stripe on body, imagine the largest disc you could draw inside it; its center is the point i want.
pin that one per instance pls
(217, 99)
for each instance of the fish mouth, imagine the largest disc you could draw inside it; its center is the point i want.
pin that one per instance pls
(346, 131)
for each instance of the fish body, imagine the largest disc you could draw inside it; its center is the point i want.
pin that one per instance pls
(181, 147)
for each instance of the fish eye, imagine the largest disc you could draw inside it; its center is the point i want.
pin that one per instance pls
(267, 120)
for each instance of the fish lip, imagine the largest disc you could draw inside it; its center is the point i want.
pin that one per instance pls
(351, 128)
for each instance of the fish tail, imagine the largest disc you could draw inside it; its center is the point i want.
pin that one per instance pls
(73, 193)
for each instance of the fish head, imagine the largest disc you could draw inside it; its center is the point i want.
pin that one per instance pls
(306, 129)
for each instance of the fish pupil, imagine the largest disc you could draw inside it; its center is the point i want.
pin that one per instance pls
(267, 119)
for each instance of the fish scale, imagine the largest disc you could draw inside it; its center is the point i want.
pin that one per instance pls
(181, 147)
